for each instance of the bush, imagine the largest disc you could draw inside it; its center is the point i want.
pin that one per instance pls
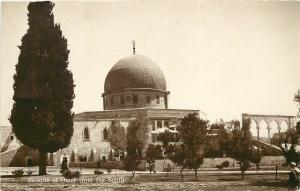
(219, 166)
(18, 172)
(98, 172)
(71, 174)
(29, 172)
(225, 164)
(108, 166)
(108, 171)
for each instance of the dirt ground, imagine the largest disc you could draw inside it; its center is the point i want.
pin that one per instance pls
(206, 182)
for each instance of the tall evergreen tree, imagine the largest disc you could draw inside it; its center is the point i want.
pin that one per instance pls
(134, 150)
(41, 116)
(117, 137)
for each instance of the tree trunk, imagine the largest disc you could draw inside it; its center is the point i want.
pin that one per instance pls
(42, 163)
(243, 174)
(181, 174)
(196, 173)
(133, 173)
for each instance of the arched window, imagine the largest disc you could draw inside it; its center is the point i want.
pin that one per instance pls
(86, 134)
(111, 101)
(148, 98)
(122, 99)
(166, 124)
(128, 98)
(105, 134)
(153, 125)
(135, 98)
(159, 124)
(157, 100)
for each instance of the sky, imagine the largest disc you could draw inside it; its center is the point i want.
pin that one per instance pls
(224, 58)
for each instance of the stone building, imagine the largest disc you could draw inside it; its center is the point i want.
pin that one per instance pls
(135, 88)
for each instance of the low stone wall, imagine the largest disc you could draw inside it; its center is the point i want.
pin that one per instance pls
(265, 161)
(161, 164)
(272, 160)
(18, 157)
(23, 154)
(213, 162)
(111, 164)
(83, 164)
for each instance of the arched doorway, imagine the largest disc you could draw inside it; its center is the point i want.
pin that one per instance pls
(29, 161)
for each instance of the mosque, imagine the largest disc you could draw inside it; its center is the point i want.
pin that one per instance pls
(135, 87)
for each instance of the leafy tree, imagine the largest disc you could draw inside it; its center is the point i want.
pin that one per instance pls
(167, 137)
(154, 152)
(214, 143)
(240, 147)
(256, 156)
(41, 116)
(291, 155)
(190, 152)
(193, 131)
(117, 137)
(177, 154)
(287, 141)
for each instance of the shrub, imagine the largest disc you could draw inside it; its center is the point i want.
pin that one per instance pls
(108, 170)
(82, 158)
(108, 166)
(18, 172)
(29, 172)
(71, 174)
(219, 166)
(225, 164)
(98, 172)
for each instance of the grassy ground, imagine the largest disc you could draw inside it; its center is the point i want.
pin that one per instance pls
(159, 182)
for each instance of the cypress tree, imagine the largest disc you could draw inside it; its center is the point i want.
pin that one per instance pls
(41, 116)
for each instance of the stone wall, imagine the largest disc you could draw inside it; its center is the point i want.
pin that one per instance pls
(272, 160)
(266, 161)
(213, 162)
(93, 148)
(19, 156)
